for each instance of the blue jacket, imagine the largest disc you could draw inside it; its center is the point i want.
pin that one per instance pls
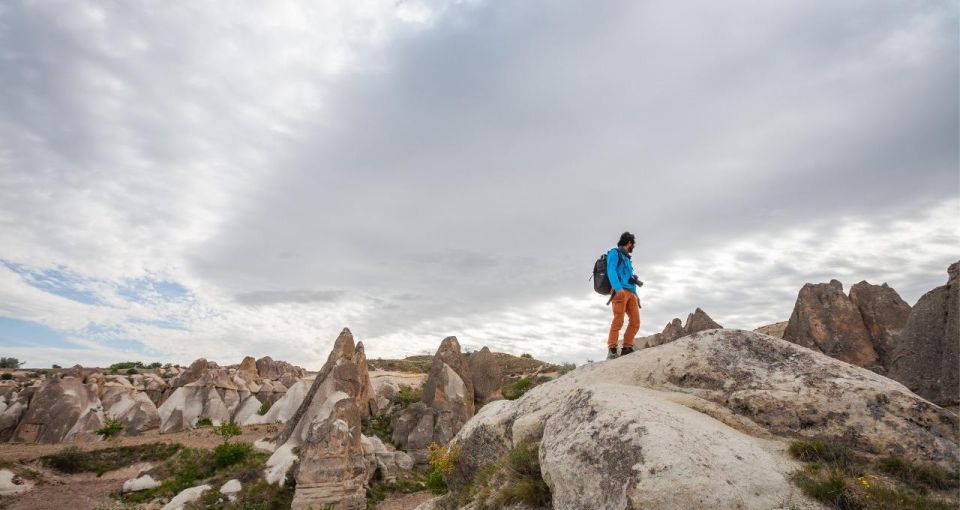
(620, 269)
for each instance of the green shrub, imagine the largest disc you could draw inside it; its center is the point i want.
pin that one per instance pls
(6, 376)
(68, 460)
(818, 450)
(124, 365)
(916, 474)
(155, 364)
(264, 408)
(566, 367)
(407, 395)
(56, 366)
(111, 429)
(526, 355)
(228, 454)
(524, 481)
(203, 422)
(435, 483)
(132, 371)
(227, 429)
(518, 388)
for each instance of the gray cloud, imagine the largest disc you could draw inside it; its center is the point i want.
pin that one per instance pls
(301, 172)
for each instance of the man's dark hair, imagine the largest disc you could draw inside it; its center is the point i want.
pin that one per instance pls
(626, 238)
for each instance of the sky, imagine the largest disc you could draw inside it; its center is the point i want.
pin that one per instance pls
(222, 179)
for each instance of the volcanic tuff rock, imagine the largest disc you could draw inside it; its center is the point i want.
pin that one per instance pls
(924, 355)
(448, 402)
(324, 435)
(62, 409)
(826, 320)
(884, 314)
(249, 366)
(487, 376)
(270, 369)
(131, 406)
(367, 398)
(696, 322)
(702, 422)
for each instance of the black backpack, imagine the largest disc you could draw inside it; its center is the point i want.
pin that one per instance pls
(601, 282)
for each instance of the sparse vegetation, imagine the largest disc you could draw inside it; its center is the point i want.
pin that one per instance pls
(518, 388)
(378, 426)
(193, 466)
(74, 460)
(227, 429)
(837, 477)
(6, 376)
(526, 355)
(155, 364)
(566, 367)
(442, 461)
(132, 371)
(514, 479)
(112, 428)
(407, 395)
(124, 365)
(203, 422)
(264, 408)
(11, 363)
(56, 366)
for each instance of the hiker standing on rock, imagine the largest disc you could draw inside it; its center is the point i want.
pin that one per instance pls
(624, 297)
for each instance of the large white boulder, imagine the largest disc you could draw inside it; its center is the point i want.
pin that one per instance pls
(186, 496)
(702, 422)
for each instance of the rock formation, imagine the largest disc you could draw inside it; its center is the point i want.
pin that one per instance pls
(924, 355)
(826, 320)
(131, 406)
(270, 369)
(324, 436)
(367, 398)
(62, 409)
(884, 314)
(487, 376)
(702, 422)
(248, 366)
(776, 329)
(696, 322)
(219, 394)
(448, 402)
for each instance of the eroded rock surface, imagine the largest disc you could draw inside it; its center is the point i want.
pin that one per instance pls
(696, 322)
(826, 320)
(884, 315)
(62, 409)
(487, 376)
(703, 421)
(924, 355)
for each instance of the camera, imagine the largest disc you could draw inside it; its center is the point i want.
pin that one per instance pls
(636, 281)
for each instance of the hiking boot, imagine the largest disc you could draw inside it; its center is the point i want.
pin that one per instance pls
(626, 350)
(612, 353)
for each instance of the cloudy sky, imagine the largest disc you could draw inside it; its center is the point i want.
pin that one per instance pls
(186, 179)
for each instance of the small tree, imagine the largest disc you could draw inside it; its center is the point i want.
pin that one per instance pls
(227, 429)
(10, 363)
(56, 366)
(526, 355)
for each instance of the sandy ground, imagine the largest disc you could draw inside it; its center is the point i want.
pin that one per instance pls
(88, 492)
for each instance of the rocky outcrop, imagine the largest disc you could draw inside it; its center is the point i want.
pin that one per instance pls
(131, 406)
(367, 398)
(219, 394)
(323, 437)
(924, 355)
(702, 422)
(385, 457)
(270, 369)
(696, 322)
(448, 402)
(826, 320)
(487, 376)
(884, 314)
(13, 403)
(248, 366)
(62, 409)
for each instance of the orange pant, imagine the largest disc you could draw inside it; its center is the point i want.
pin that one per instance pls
(624, 302)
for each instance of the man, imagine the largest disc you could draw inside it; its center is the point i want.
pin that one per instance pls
(625, 301)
